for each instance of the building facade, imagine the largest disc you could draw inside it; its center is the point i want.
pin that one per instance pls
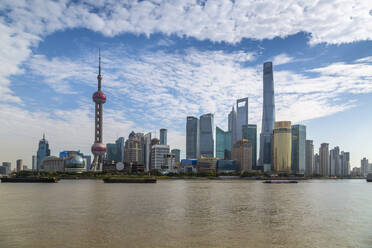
(147, 151)
(282, 147)
(19, 165)
(268, 117)
(163, 136)
(158, 155)
(192, 138)
(316, 170)
(133, 149)
(242, 154)
(250, 133)
(206, 138)
(223, 144)
(298, 149)
(345, 164)
(364, 167)
(334, 162)
(206, 164)
(54, 164)
(177, 155)
(42, 152)
(242, 116)
(324, 160)
(232, 119)
(309, 158)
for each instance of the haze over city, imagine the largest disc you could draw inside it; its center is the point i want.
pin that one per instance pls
(164, 61)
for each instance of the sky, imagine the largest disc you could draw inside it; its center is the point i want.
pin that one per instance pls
(165, 60)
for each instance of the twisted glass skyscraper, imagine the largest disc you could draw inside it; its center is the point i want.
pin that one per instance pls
(268, 117)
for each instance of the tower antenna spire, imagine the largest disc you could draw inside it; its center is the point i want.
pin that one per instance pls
(99, 77)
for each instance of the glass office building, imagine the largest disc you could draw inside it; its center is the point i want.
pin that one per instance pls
(206, 138)
(298, 149)
(192, 137)
(250, 133)
(242, 116)
(223, 144)
(282, 140)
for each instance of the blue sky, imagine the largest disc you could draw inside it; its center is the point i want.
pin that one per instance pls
(164, 60)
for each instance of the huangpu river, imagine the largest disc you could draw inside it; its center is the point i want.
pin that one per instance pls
(187, 213)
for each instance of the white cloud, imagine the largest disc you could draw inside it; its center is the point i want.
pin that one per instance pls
(282, 59)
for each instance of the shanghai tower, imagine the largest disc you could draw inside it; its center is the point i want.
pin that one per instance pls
(98, 148)
(268, 117)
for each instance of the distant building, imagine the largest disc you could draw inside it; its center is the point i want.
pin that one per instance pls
(133, 152)
(345, 163)
(88, 161)
(242, 154)
(120, 149)
(364, 167)
(223, 144)
(309, 158)
(163, 136)
(282, 140)
(298, 162)
(74, 163)
(232, 119)
(316, 170)
(3, 170)
(8, 167)
(192, 138)
(111, 152)
(147, 151)
(19, 165)
(250, 133)
(356, 172)
(206, 135)
(169, 163)
(268, 118)
(34, 163)
(42, 152)
(324, 159)
(206, 164)
(226, 166)
(158, 153)
(189, 165)
(177, 155)
(54, 164)
(334, 162)
(242, 116)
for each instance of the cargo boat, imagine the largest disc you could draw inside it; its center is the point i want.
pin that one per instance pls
(129, 180)
(29, 180)
(280, 181)
(369, 177)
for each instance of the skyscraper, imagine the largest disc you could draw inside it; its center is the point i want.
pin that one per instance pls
(316, 170)
(42, 152)
(147, 151)
(364, 167)
(242, 154)
(242, 116)
(298, 149)
(19, 165)
(334, 162)
(268, 117)
(98, 148)
(111, 152)
(34, 163)
(309, 158)
(133, 149)
(206, 135)
(223, 144)
(250, 133)
(282, 145)
(232, 119)
(192, 138)
(177, 155)
(120, 149)
(345, 163)
(158, 156)
(324, 159)
(163, 136)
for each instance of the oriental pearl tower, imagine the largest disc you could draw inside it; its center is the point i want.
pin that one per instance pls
(98, 148)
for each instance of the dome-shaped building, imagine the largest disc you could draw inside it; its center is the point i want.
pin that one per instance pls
(75, 163)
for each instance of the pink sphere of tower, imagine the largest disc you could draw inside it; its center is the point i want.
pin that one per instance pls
(99, 97)
(98, 149)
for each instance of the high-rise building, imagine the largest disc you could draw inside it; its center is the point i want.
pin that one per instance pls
(316, 170)
(34, 163)
(242, 116)
(232, 119)
(8, 167)
(250, 133)
(364, 167)
(158, 156)
(192, 138)
(282, 145)
(242, 154)
(223, 144)
(88, 161)
(98, 148)
(298, 149)
(334, 162)
(324, 159)
(120, 149)
(147, 151)
(206, 135)
(111, 152)
(163, 136)
(133, 152)
(268, 117)
(345, 163)
(42, 152)
(309, 158)
(19, 165)
(177, 155)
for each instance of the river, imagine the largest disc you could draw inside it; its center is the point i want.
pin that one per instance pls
(187, 213)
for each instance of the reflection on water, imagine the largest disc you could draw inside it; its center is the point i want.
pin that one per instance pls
(89, 213)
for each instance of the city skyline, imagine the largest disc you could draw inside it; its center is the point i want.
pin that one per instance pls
(157, 80)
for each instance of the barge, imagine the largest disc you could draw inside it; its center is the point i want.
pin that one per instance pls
(129, 180)
(29, 180)
(280, 181)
